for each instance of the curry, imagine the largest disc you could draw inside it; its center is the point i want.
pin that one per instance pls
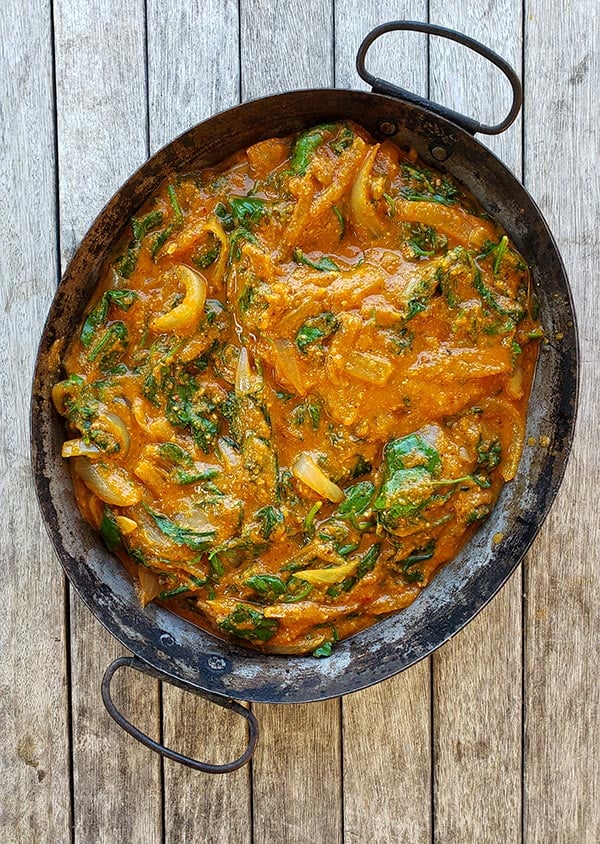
(300, 387)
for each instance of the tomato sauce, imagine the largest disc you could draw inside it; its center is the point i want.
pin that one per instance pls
(299, 387)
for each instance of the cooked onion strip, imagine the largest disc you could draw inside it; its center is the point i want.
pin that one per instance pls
(373, 369)
(59, 393)
(243, 374)
(363, 216)
(79, 448)
(307, 471)
(286, 366)
(159, 429)
(468, 230)
(114, 425)
(220, 265)
(332, 575)
(184, 318)
(512, 435)
(112, 485)
(149, 585)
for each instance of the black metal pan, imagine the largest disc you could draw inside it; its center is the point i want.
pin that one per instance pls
(170, 648)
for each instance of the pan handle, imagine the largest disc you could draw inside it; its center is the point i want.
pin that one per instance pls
(380, 86)
(226, 703)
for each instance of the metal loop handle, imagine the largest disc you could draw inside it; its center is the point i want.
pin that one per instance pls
(226, 703)
(468, 123)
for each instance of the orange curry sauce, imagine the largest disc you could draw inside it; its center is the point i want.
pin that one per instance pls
(299, 387)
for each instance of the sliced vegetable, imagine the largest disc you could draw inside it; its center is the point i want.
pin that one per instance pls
(197, 540)
(111, 484)
(122, 299)
(358, 498)
(243, 374)
(113, 342)
(268, 586)
(362, 212)
(247, 209)
(175, 224)
(270, 519)
(185, 317)
(306, 144)
(334, 574)
(110, 530)
(307, 471)
(370, 368)
(423, 185)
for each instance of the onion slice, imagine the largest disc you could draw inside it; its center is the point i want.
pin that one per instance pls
(79, 448)
(307, 471)
(335, 574)
(149, 585)
(243, 375)
(286, 367)
(185, 317)
(115, 426)
(112, 485)
(363, 216)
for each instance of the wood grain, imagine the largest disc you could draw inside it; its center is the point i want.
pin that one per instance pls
(386, 729)
(285, 46)
(191, 77)
(310, 781)
(297, 786)
(562, 144)
(298, 763)
(101, 106)
(34, 744)
(477, 690)
(387, 760)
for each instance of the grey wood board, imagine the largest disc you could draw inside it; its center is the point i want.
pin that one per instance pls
(34, 740)
(562, 699)
(436, 753)
(386, 729)
(286, 46)
(477, 690)
(101, 119)
(191, 77)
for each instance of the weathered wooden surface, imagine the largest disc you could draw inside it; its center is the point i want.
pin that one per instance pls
(562, 622)
(477, 676)
(495, 739)
(34, 743)
(297, 775)
(102, 67)
(400, 707)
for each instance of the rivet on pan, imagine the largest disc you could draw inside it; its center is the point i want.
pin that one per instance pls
(166, 639)
(439, 153)
(217, 663)
(387, 128)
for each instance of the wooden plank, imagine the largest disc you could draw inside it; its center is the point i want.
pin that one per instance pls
(286, 46)
(477, 706)
(193, 64)
(562, 768)
(101, 102)
(34, 743)
(297, 774)
(386, 729)
(387, 760)
(193, 72)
